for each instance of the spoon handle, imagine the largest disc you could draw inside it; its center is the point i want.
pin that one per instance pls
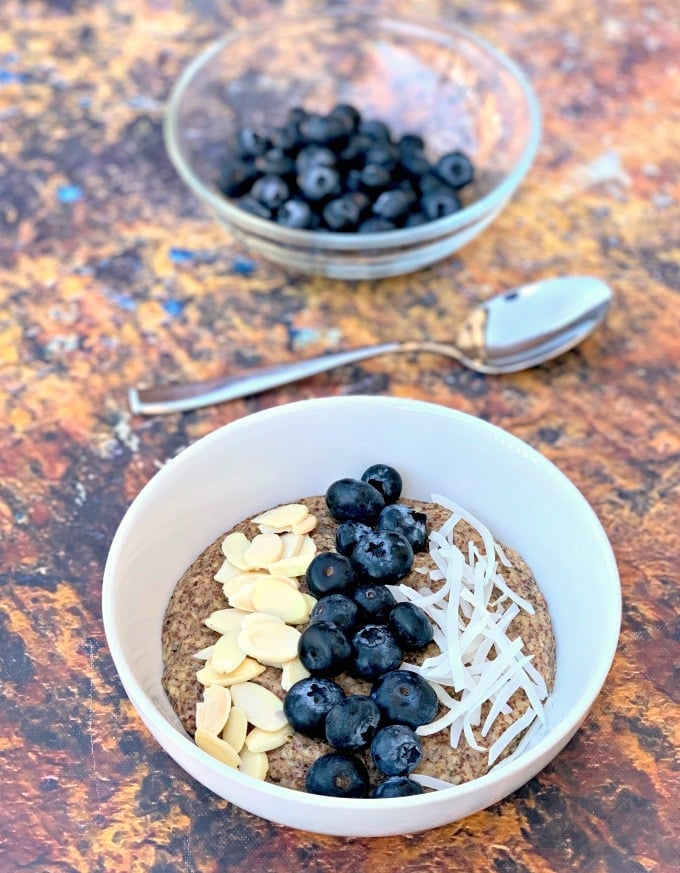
(181, 398)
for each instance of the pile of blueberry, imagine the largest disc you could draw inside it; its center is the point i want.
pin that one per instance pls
(357, 627)
(342, 173)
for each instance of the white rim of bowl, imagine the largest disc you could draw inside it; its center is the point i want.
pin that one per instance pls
(342, 241)
(159, 725)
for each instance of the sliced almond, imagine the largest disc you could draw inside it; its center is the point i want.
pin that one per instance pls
(295, 566)
(204, 654)
(292, 543)
(266, 741)
(305, 526)
(260, 618)
(255, 764)
(236, 728)
(277, 598)
(248, 669)
(226, 571)
(261, 706)
(227, 655)
(242, 597)
(217, 748)
(310, 600)
(213, 711)
(292, 672)
(234, 546)
(270, 643)
(263, 550)
(223, 621)
(236, 582)
(282, 518)
(308, 546)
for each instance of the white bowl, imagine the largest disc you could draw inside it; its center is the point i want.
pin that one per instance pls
(294, 451)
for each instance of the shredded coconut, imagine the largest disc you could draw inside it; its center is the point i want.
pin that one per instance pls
(478, 661)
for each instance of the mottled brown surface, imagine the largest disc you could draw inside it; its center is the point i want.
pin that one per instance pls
(197, 595)
(122, 277)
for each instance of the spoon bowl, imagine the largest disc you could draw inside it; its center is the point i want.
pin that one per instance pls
(513, 331)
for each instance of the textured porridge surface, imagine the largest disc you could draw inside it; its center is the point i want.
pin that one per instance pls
(197, 595)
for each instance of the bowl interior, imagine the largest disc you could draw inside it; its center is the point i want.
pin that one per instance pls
(295, 451)
(452, 88)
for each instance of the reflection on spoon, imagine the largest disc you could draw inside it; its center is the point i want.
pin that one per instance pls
(513, 331)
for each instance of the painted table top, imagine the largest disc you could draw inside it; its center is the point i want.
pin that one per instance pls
(112, 274)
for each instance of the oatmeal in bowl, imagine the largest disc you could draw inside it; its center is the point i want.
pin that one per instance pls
(401, 648)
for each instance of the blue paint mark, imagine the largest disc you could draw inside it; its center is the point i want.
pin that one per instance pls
(303, 336)
(243, 266)
(181, 256)
(124, 301)
(173, 307)
(10, 77)
(69, 193)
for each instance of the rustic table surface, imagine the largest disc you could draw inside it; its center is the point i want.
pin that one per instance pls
(111, 274)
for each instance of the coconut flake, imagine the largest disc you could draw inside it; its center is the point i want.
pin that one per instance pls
(509, 735)
(477, 659)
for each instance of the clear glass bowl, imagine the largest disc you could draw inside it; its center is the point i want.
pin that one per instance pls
(432, 78)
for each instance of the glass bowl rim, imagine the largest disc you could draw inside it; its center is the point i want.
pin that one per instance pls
(236, 217)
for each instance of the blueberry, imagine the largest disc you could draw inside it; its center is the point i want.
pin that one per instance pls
(439, 202)
(428, 182)
(415, 219)
(354, 500)
(254, 207)
(348, 535)
(411, 142)
(383, 154)
(411, 626)
(319, 182)
(295, 213)
(330, 573)
(314, 156)
(338, 610)
(375, 602)
(329, 130)
(385, 479)
(397, 786)
(324, 649)
(348, 114)
(414, 164)
(393, 204)
(250, 143)
(408, 522)
(354, 153)
(382, 556)
(405, 698)
(376, 130)
(342, 214)
(375, 652)
(374, 179)
(296, 115)
(308, 702)
(375, 224)
(352, 723)
(287, 138)
(271, 191)
(337, 774)
(396, 750)
(455, 169)
(236, 177)
(275, 162)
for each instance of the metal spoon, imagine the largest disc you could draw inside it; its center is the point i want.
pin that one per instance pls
(513, 331)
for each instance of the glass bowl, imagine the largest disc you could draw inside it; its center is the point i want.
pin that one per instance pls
(430, 78)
